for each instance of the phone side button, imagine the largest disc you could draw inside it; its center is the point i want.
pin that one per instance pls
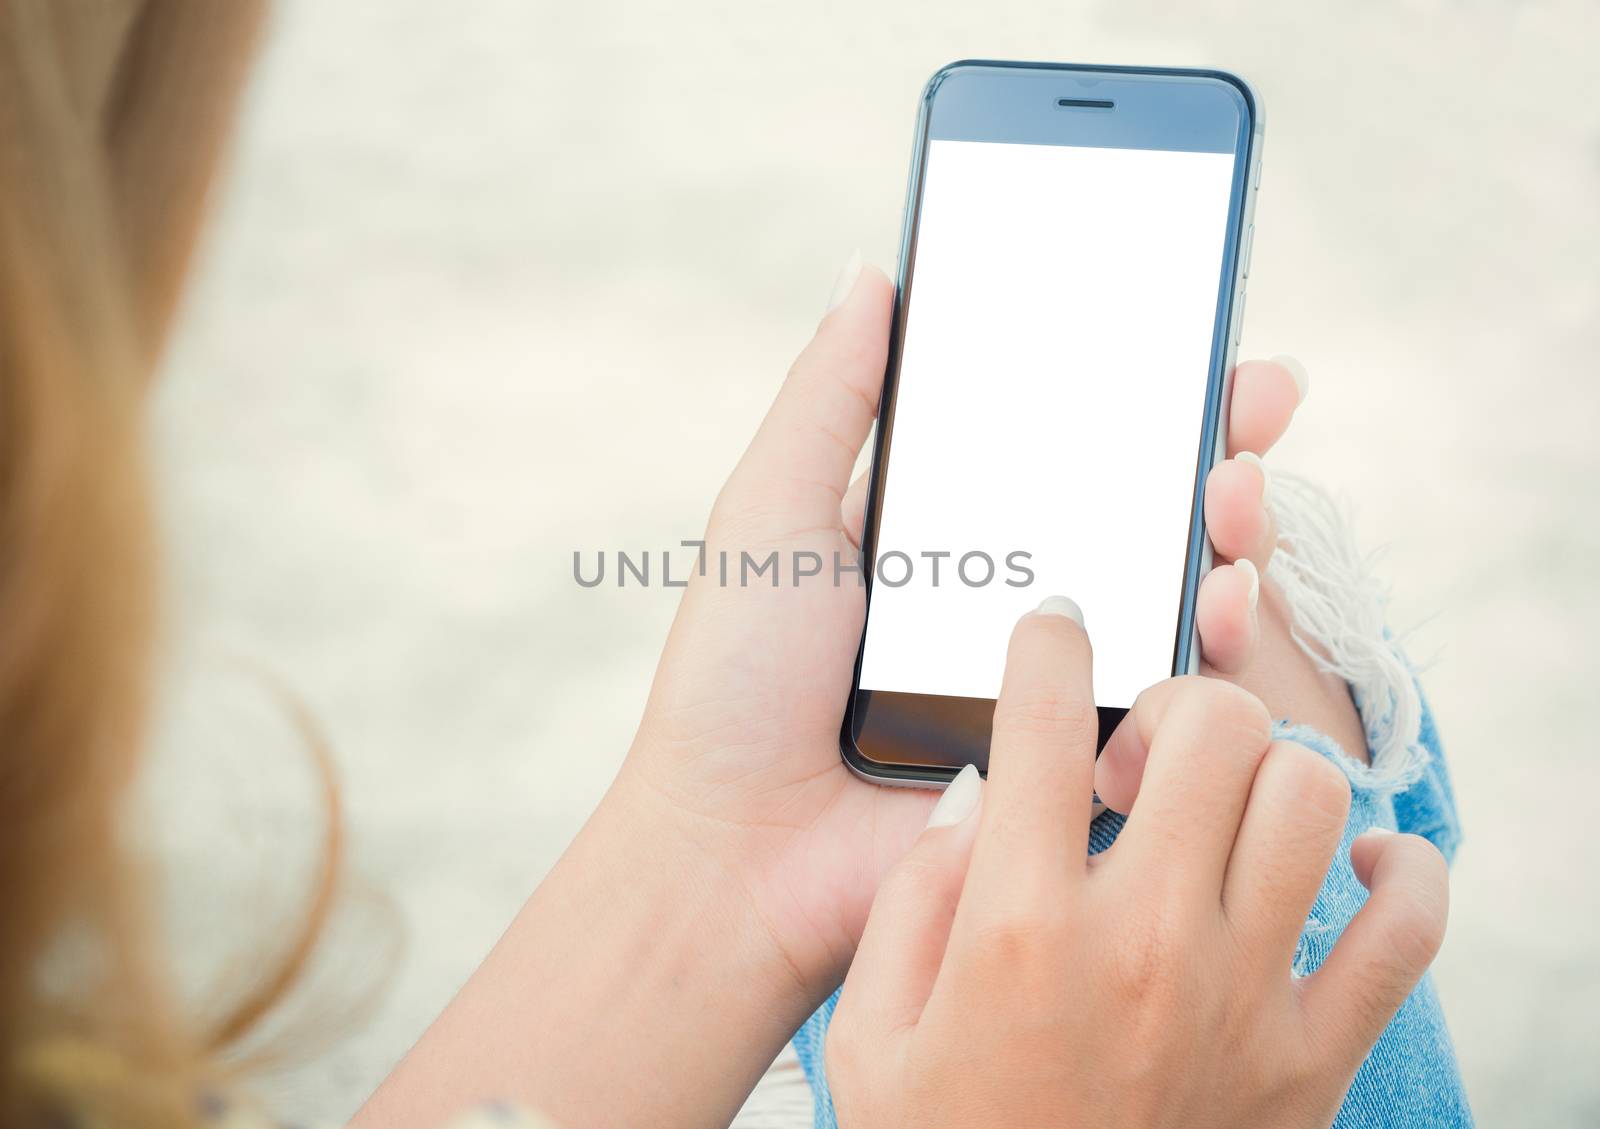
(1238, 320)
(1249, 246)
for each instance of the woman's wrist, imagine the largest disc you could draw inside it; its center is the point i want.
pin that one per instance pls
(640, 958)
(704, 875)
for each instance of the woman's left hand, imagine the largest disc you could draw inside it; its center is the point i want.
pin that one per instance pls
(717, 894)
(740, 738)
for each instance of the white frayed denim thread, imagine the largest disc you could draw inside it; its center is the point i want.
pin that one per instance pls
(1338, 604)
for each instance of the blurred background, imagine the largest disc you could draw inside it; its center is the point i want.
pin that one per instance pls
(492, 282)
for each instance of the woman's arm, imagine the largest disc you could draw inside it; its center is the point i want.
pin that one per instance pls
(638, 986)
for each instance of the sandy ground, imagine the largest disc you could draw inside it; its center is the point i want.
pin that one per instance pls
(494, 282)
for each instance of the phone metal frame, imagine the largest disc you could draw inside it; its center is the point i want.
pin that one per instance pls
(1241, 228)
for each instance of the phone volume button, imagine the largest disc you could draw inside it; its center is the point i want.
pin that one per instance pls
(1238, 319)
(1249, 248)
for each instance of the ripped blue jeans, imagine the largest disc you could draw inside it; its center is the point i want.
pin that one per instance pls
(1411, 1078)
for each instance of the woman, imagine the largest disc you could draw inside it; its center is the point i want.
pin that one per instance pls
(718, 894)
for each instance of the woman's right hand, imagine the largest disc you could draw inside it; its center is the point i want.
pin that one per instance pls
(1005, 980)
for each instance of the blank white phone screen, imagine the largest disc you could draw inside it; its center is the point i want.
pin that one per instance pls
(1051, 391)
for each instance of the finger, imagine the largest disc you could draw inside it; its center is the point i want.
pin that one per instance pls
(1387, 946)
(1035, 827)
(794, 473)
(903, 944)
(1238, 518)
(1265, 395)
(1291, 828)
(853, 510)
(1225, 617)
(1181, 765)
(1119, 772)
(1120, 767)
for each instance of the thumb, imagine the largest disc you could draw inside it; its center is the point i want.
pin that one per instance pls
(1387, 946)
(903, 944)
(798, 466)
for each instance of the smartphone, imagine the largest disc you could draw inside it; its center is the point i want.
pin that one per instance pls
(1071, 289)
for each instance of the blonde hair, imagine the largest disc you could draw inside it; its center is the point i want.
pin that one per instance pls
(113, 115)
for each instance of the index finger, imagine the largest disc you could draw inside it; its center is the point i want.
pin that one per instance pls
(1035, 826)
(1265, 395)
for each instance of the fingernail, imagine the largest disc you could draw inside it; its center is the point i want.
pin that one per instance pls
(960, 799)
(1266, 477)
(845, 283)
(1060, 605)
(1376, 831)
(1302, 379)
(1248, 567)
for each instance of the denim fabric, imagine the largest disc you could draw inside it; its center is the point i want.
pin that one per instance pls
(1411, 1078)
